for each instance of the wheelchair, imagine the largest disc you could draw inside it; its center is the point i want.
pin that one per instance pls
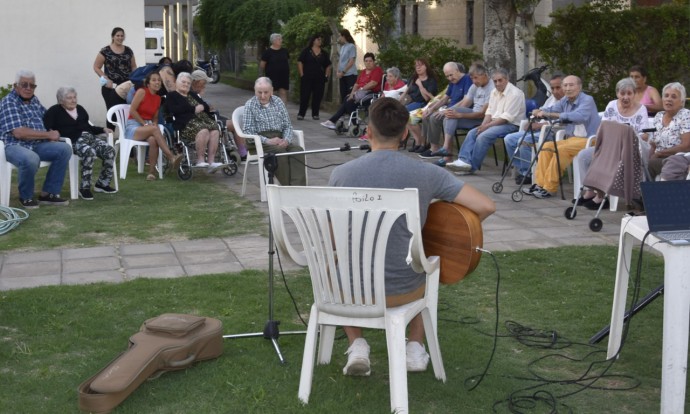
(356, 124)
(227, 153)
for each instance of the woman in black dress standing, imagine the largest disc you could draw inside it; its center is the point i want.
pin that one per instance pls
(276, 66)
(314, 67)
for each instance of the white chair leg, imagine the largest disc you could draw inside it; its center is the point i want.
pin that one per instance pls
(244, 177)
(125, 150)
(262, 181)
(74, 177)
(433, 345)
(5, 185)
(305, 378)
(326, 339)
(397, 363)
(141, 158)
(613, 203)
(160, 163)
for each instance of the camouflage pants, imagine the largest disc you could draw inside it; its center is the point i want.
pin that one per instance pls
(88, 147)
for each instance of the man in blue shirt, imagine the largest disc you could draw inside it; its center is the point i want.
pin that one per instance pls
(459, 84)
(579, 113)
(27, 143)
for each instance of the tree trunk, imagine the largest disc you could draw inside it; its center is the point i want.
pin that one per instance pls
(499, 35)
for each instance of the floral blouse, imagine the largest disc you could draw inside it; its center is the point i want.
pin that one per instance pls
(669, 136)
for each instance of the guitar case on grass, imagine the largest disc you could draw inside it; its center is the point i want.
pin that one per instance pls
(165, 343)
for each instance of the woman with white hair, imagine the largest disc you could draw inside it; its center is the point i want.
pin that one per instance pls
(672, 127)
(72, 121)
(275, 65)
(194, 122)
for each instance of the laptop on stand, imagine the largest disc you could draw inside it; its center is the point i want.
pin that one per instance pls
(667, 205)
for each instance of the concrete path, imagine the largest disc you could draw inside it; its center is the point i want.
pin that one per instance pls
(528, 224)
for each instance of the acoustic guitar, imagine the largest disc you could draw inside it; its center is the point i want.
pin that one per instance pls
(453, 232)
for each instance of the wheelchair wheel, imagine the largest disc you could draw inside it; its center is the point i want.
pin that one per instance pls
(353, 130)
(497, 187)
(516, 196)
(596, 224)
(340, 127)
(184, 172)
(569, 211)
(230, 169)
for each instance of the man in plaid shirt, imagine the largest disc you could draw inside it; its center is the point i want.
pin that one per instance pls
(27, 143)
(265, 115)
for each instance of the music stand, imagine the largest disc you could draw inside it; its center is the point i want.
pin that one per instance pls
(271, 330)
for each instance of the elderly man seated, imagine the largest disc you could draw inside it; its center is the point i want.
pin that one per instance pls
(505, 112)
(265, 115)
(27, 143)
(579, 112)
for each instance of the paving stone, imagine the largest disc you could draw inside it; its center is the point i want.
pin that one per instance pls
(24, 270)
(209, 257)
(33, 257)
(199, 245)
(89, 252)
(110, 276)
(213, 268)
(94, 264)
(163, 272)
(150, 260)
(29, 282)
(137, 249)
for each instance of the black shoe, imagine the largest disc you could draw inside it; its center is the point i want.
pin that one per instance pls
(243, 157)
(423, 148)
(29, 203)
(52, 200)
(315, 117)
(415, 148)
(427, 154)
(581, 201)
(104, 189)
(593, 205)
(85, 194)
(522, 180)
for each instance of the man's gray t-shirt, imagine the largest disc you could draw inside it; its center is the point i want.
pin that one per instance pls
(391, 169)
(480, 95)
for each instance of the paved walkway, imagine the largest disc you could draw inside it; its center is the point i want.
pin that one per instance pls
(528, 224)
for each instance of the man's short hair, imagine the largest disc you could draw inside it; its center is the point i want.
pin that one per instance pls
(556, 76)
(23, 73)
(388, 118)
(500, 71)
(478, 69)
(264, 80)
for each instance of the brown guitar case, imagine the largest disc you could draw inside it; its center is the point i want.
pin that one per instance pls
(165, 343)
(453, 232)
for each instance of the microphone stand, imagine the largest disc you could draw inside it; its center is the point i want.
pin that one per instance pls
(271, 330)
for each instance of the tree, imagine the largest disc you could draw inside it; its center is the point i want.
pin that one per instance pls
(599, 43)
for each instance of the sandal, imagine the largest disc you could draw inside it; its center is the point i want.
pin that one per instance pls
(150, 177)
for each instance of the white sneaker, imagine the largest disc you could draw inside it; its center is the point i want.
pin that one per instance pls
(417, 357)
(357, 358)
(214, 167)
(328, 124)
(459, 165)
(202, 164)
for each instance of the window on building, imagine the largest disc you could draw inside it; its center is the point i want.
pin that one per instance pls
(469, 24)
(415, 19)
(403, 12)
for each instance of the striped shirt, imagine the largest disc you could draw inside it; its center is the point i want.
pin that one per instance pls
(15, 113)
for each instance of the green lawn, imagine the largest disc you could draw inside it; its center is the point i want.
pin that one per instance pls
(52, 338)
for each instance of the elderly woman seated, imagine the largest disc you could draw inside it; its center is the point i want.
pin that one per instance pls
(194, 121)
(672, 128)
(624, 110)
(72, 121)
(394, 86)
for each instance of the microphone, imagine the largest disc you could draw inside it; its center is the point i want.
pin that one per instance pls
(649, 130)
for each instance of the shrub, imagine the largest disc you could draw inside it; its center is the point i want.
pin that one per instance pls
(4, 90)
(403, 51)
(600, 44)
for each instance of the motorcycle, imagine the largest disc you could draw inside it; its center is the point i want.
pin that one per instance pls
(211, 67)
(536, 88)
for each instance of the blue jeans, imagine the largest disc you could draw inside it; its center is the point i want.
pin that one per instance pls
(476, 145)
(28, 161)
(451, 124)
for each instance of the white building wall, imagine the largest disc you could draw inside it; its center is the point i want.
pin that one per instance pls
(59, 41)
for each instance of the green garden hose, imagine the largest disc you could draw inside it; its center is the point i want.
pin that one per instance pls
(10, 218)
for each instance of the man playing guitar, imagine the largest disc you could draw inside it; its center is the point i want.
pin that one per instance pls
(385, 167)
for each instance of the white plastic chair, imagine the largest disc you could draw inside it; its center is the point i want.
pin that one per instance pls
(118, 115)
(6, 175)
(258, 156)
(74, 165)
(334, 226)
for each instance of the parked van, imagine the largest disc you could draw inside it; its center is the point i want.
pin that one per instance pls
(155, 43)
